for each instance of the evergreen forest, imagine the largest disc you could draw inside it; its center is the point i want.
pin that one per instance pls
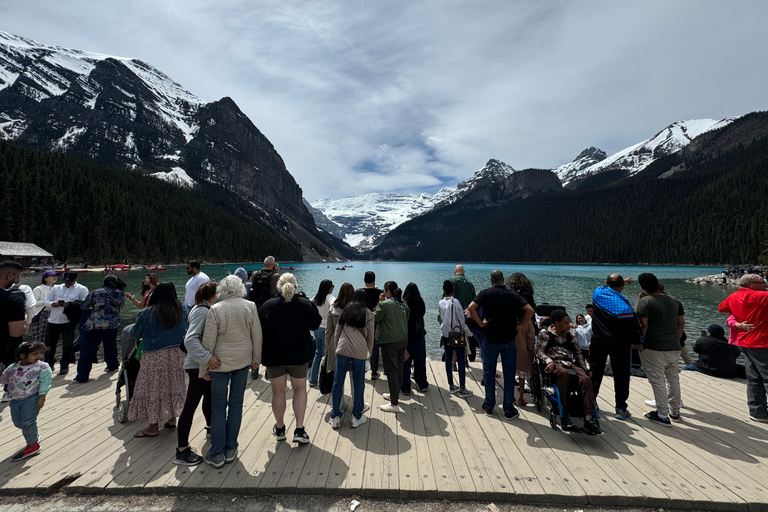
(85, 211)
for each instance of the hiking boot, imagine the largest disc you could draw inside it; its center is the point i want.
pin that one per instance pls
(230, 455)
(464, 393)
(356, 422)
(217, 461)
(622, 414)
(592, 428)
(187, 457)
(28, 451)
(654, 416)
(279, 433)
(335, 422)
(300, 436)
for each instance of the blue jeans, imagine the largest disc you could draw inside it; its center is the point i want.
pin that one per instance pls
(358, 379)
(480, 337)
(508, 353)
(314, 370)
(460, 355)
(24, 415)
(692, 367)
(89, 345)
(226, 411)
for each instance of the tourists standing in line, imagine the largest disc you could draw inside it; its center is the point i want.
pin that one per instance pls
(148, 285)
(194, 282)
(323, 300)
(233, 335)
(102, 319)
(372, 294)
(662, 320)
(417, 341)
(287, 348)
(391, 315)
(63, 298)
(502, 308)
(749, 305)
(353, 336)
(42, 312)
(159, 392)
(526, 335)
(452, 320)
(199, 387)
(614, 332)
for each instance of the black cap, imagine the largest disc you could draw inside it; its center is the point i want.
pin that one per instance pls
(70, 276)
(716, 331)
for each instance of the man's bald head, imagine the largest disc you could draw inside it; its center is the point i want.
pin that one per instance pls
(497, 277)
(458, 270)
(616, 282)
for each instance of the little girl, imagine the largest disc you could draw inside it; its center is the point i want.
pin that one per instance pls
(29, 380)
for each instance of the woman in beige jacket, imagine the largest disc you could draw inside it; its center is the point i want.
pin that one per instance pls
(232, 334)
(354, 342)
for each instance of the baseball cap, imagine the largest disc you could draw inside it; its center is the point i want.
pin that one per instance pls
(70, 276)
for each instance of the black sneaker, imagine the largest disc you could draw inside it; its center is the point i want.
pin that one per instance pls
(300, 436)
(487, 410)
(187, 457)
(64, 371)
(511, 415)
(279, 433)
(374, 375)
(567, 425)
(654, 416)
(592, 428)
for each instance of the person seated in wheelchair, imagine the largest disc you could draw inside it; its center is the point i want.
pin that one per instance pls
(558, 349)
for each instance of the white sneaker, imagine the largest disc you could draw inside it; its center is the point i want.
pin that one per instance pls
(390, 408)
(650, 403)
(357, 422)
(386, 397)
(335, 422)
(366, 407)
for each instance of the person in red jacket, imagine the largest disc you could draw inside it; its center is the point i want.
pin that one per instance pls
(749, 304)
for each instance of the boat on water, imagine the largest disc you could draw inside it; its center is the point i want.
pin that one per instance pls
(287, 268)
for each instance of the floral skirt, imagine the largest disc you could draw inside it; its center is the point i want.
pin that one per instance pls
(38, 325)
(160, 389)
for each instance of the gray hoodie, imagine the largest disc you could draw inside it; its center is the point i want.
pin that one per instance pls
(196, 354)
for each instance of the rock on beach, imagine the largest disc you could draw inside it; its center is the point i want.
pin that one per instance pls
(716, 279)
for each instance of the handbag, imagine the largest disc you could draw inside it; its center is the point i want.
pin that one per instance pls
(456, 338)
(325, 380)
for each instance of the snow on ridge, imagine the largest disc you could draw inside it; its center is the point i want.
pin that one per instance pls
(177, 176)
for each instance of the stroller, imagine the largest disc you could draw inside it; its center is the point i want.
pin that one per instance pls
(129, 369)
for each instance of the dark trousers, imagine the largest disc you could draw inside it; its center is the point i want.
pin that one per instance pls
(585, 383)
(89, 345)
(620, 352)
(460, 362)
(392, 357)
(8, 351)
(52, 333)
(417, 349)
(375, 359)
(756, 366)
(198, 388)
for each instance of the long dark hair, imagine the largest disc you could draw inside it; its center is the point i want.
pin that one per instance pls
(396, 292)
(345, 295)
(167, 305)
(153, 281)
(354, 314)
(412, 297)
(322, 292)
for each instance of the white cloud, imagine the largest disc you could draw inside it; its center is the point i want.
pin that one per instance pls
(443, 85)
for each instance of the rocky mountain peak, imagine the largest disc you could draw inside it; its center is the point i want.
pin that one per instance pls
(592, 153)
(494, 171)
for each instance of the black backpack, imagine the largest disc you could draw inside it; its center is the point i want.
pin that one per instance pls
(260, 291)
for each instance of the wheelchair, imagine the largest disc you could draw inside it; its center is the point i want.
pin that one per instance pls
(547, 397)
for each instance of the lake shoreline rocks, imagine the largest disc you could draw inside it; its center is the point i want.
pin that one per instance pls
(716, 279)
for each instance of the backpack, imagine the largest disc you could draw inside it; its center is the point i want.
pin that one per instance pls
(260, 291)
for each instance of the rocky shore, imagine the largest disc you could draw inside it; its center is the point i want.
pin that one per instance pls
(716, 279)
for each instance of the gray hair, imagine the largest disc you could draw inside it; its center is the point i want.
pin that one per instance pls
(750, 278)
(230, 286)
(287, 286)
(269, 261)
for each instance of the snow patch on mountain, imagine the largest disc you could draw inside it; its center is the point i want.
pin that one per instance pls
(177, 176)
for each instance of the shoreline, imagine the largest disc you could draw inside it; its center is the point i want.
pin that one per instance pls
(715, 279)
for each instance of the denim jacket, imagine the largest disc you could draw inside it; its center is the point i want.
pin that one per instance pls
(149, 329)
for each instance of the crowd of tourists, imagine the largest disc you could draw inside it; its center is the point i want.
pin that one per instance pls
(223, 332)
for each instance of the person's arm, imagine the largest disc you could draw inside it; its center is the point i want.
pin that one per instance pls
(330, 328)
(643, 324)
(724, 306)
(680, 324)
(141, 324)
(16, 329)
(210, 332)
(256, 340)
(459, 313)
(50, 297)
(6, 373)
(194, 336)
(473, 313)
(527, 314)
(379, 313)
(315, 318)
(369, 331)
(541, 353)
(45, 386)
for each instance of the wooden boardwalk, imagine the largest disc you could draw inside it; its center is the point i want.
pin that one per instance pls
(441, 446)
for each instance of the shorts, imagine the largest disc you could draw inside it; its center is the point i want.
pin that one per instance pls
(298, 371)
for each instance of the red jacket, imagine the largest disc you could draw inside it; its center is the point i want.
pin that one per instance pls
(749, 306)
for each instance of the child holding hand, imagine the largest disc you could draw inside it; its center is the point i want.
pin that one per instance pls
(28, 380)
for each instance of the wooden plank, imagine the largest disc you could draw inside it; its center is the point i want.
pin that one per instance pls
(381, 474)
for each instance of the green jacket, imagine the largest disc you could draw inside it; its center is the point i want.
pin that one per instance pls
(463, 290)
(391, 323)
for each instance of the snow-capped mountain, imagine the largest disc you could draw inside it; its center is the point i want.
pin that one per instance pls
(125, 112)
(635, 158)
(366, 219)
(586, 158)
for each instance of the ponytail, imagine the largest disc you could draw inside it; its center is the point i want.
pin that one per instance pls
(396, 292)
(286, 285)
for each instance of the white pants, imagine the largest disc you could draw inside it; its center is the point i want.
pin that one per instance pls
(663, 373)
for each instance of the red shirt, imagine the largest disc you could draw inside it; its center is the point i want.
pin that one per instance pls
(751, 307)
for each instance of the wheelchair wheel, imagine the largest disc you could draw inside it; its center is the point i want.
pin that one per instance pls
(552, 418)
(122, 411)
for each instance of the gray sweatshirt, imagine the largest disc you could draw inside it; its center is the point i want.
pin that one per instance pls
(196, 354)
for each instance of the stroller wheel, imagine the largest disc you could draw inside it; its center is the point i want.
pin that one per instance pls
(118, 398)
(122, 411)
(552, 418)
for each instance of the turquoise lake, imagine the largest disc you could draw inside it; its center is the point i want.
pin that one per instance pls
(567, 285)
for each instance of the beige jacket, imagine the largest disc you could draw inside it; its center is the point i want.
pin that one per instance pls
(331, 337)
(233, 334)
(356, 343)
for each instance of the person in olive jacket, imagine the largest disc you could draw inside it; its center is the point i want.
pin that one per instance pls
(287, 347)
(391, 317)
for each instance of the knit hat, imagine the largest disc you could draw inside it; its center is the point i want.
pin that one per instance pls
(716, 331)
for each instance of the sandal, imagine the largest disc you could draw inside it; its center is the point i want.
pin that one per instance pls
(141, 433)
(168, 425)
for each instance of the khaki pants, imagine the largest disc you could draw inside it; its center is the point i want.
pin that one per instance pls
(664, 375)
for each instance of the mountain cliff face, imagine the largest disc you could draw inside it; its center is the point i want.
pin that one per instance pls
(126, 112)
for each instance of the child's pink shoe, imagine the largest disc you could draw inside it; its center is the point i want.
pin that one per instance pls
(29, 451)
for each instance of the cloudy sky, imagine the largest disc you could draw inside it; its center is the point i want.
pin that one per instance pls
(408, 96)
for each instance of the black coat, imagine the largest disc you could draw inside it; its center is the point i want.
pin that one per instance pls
(286, 330)
(716, 357)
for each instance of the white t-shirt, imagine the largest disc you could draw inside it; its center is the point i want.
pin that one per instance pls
(323, 310)
(194, 283)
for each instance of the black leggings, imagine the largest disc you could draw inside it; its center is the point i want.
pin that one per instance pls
(198, 388)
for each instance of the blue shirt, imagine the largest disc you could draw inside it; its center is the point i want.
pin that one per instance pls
(104, 306)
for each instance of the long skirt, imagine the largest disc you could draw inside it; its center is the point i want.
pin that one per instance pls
(37, 327)
(526, 339)
(160, 389)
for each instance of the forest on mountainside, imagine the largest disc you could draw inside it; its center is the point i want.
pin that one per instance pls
(83, 210)
(711, 209)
